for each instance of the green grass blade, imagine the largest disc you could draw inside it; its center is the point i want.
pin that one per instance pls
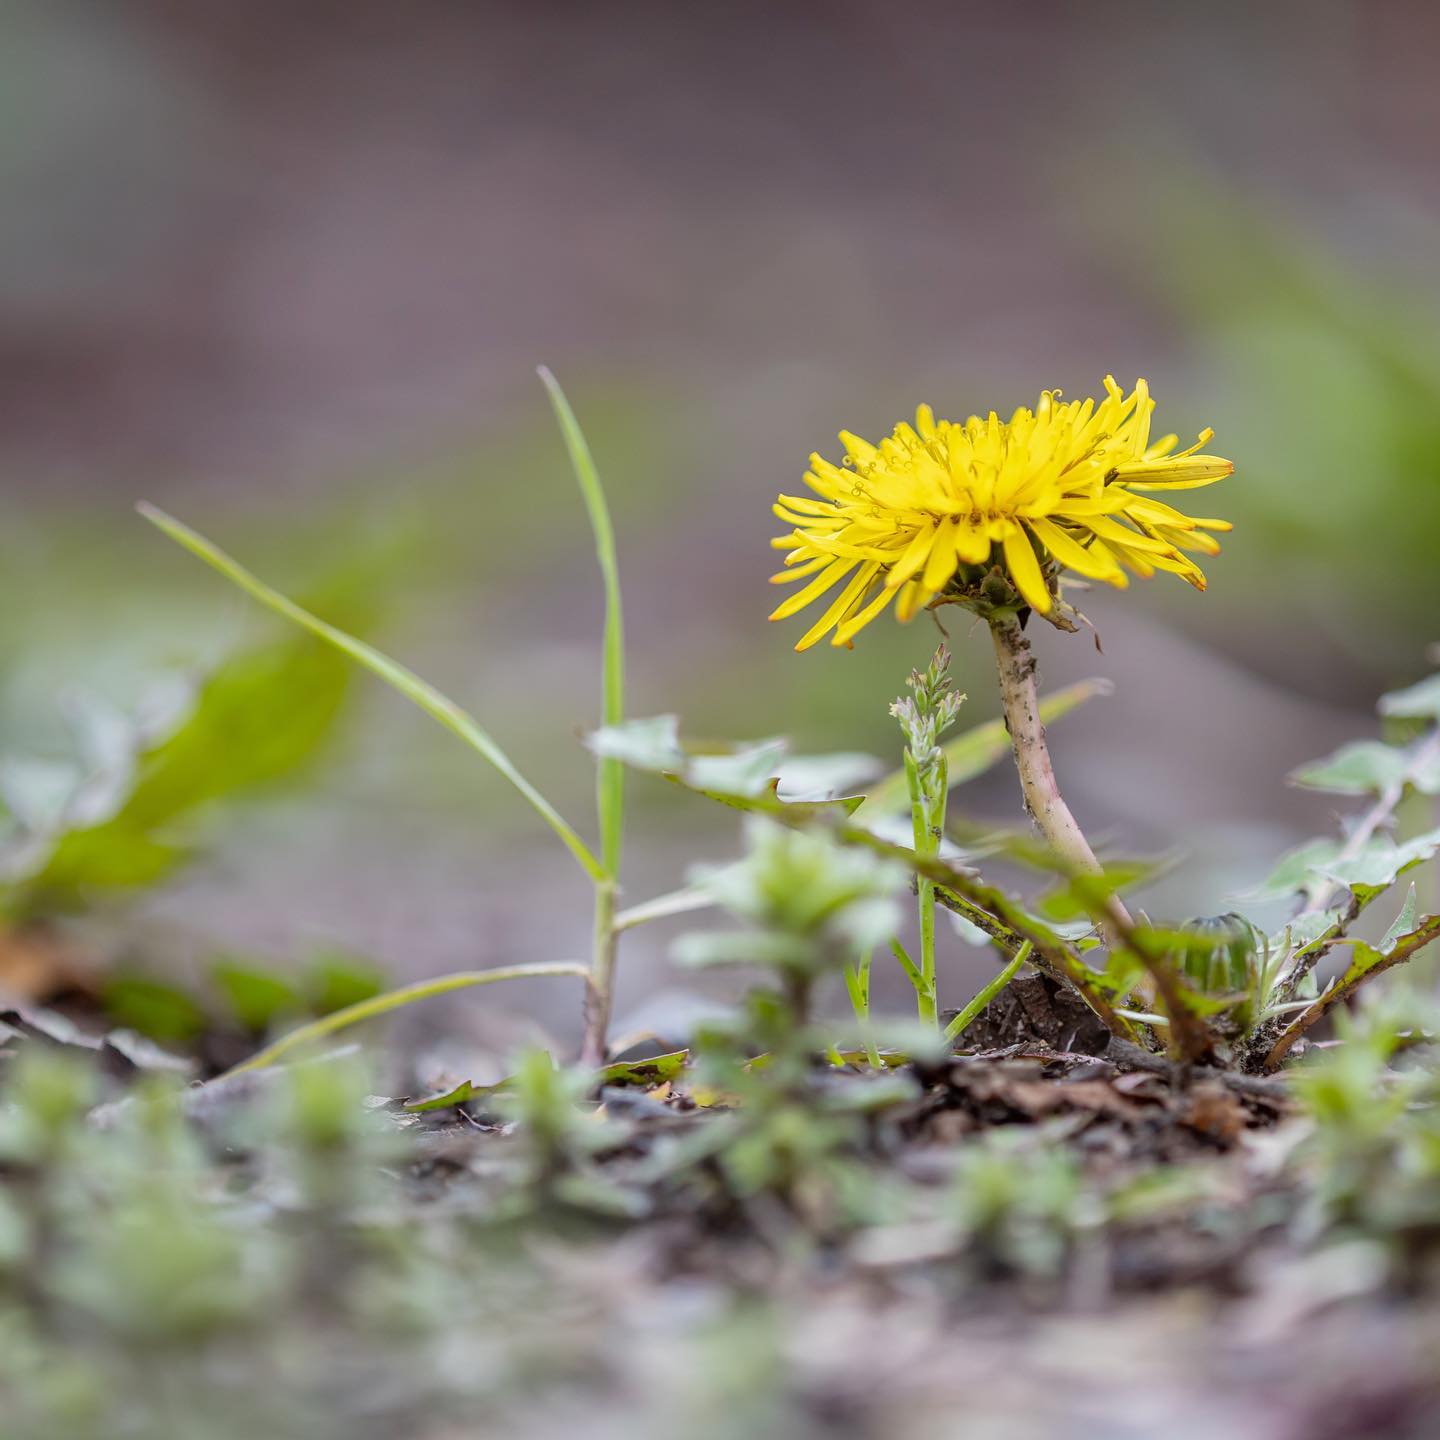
(957, 1027)
(974, 752)
(438, 706)
(676, 902)
(395, 999)
(610, 795)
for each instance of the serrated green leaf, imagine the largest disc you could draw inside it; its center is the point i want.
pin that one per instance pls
(1381, 863)
(447, 1099)
(1304, 930)
(1402, 925)
(823, 777)
(653, 1070)
(1365, 767)
(749, 773)
(744, 777)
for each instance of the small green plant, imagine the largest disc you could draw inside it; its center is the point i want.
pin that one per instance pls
(810, 909)
(1373, 1153)
(990, 516)
(925, 715)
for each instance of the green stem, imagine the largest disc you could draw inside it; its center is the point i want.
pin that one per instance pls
(912, 971)
(920, 816)
(957, 1027)
(393, 1000)
(857, 985)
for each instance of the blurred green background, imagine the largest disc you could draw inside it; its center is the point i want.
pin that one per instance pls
(286, 270)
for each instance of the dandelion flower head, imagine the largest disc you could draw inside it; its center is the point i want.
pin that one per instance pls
(924, 517)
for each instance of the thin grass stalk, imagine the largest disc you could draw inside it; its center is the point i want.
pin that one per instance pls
(378, 1005)
(957, 1027)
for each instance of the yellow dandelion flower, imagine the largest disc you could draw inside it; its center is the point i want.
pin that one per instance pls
(929, 513)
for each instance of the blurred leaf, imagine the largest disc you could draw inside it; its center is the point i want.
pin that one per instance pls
(259, 717)
(975, 751)
(1418, 701)
(1075, 901)
(1365, 767)
(1381, 863)
(611, 781)
(744, 777)
(162, 1011)
(824, 777)
(1304, 930)
(770, 803)
(257, 996)
(1403, 923)
(700, 950)
(447, 1098)
(424, 696)
(1295, 868)
(335, 979)
(36, 792)
(655, 1070)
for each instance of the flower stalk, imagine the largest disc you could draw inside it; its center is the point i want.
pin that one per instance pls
(1015, 664)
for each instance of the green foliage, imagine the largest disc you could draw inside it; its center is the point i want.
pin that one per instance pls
(424, 695)
(121, 815)
(924, 716)
(1020, 1201)
(1373, 1152)
(810, 903)
(611, 773)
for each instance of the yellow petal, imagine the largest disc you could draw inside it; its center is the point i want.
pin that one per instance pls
(972, 543)
(1107, 529)
(1073, 555)
(858, 621)
(831, 575)
(1179, 474)
(941, 564)
(842, 606)
(798, 572)
(907, 602)
(912, 559)
(806, 505)
(1025, 571)
(861, 451)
